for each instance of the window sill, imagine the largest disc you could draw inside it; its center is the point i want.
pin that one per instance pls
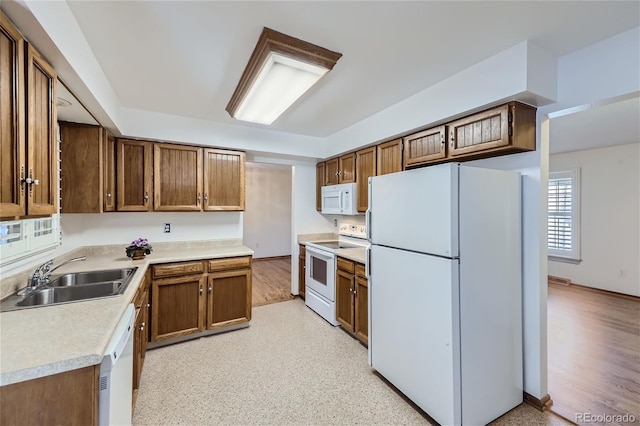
(564, 259)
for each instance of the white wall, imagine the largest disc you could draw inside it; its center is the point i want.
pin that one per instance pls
(122, 228)
(610, 224)
(267, 216)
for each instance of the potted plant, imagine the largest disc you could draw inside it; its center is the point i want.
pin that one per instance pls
(138, 249)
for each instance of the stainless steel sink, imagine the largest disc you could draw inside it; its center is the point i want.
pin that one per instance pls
(73, 287)
(91, 277)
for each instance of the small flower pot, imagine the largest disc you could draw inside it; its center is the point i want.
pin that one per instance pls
(138, 254)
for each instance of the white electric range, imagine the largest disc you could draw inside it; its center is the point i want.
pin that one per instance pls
(320, 266)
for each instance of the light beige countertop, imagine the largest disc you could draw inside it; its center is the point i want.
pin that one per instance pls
(355, 254)
(327, 236)
(42, 341)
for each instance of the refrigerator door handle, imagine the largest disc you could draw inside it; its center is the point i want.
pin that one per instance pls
(367, 216)
(367, 264)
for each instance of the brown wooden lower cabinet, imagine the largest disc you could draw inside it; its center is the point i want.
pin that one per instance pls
(140, 333)
(186, 301)
(302, 272)
(352, 310)
(69, 398)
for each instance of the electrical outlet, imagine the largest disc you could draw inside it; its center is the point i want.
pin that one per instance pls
(335, 223)
(167, 228)
(622, 273)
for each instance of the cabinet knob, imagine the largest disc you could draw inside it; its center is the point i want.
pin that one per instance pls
(210, 289)
(142, 327)
(146, 196)
(205, 196)
(198, 198)
(201, 290)
(108, 195)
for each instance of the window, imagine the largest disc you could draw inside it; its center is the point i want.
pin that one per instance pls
(23, 238)
(563, 223)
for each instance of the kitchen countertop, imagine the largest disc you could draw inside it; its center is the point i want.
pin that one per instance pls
(42, 341)
(306, 238)
(355, 254)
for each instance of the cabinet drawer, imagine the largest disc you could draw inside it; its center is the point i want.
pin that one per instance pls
(345, 265)
(303, 250)
(177, 269)
(360, 270)
(229, 263)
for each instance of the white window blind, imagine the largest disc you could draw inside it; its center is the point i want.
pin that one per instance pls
(563, 217)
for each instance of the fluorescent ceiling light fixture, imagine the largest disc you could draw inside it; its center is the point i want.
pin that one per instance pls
(280, 70)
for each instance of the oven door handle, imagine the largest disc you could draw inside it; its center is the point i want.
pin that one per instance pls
(319, 253)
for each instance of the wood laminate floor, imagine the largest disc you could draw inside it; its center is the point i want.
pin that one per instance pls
(593, 354)
(271, 280)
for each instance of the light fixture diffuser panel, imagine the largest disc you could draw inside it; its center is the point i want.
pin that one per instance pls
(279, 84)
(280, 70)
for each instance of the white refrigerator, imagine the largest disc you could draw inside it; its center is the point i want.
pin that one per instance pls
(445, 296)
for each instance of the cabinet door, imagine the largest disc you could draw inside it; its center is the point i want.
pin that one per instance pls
(81, 145)
(12, 130)
(137, 349)
(177, 307)
(302, 273)
(390, 157)
(177, 178)
(483, 131)
(319, 184)
(109, 179)
(224, 181)
(42, 144)
(361, 326)
(425, 147)
(344, 299)
(366, 160)
(331, 169)
(229, 299)
(347, 172)
(135, 169)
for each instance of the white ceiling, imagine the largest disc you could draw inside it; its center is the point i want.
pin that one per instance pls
(616, 123)
(185, 58)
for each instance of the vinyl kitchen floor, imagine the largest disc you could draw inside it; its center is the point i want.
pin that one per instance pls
(288, 368)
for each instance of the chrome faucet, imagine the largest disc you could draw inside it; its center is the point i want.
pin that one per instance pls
(42, 273)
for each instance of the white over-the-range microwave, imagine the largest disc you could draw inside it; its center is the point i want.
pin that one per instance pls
(340, 199)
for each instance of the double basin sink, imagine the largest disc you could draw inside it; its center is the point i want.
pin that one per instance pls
(73, 287)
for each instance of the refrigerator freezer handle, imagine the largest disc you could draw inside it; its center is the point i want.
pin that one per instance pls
(340, 200)
(367, 264)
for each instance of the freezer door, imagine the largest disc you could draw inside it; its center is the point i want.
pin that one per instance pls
(414, 329)
(416, 210)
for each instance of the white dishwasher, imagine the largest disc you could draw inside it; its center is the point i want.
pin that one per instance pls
(116, 372)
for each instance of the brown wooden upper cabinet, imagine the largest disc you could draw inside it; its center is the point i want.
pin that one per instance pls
(177, 178)
(389, 157)
(29, 151)
(331, 169)
(428, 146)
(224, 180)
(366, 160)
(340, 169)
(109, 164)
(42, 144)
(135, 173)
(506, 129)
(319, 184)
(12, 115)
(86, 189)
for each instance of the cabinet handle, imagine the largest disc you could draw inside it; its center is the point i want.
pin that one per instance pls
(209, 289)
(146, 196)
(200, 290)
(148, 305)
(142, 327)
(198, 198)
(108, 195)
(205, 196)
(22, 180)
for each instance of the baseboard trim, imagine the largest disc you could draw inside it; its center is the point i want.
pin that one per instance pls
(288, 256)
(599, 290)
(552, 279)
(541, 404)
